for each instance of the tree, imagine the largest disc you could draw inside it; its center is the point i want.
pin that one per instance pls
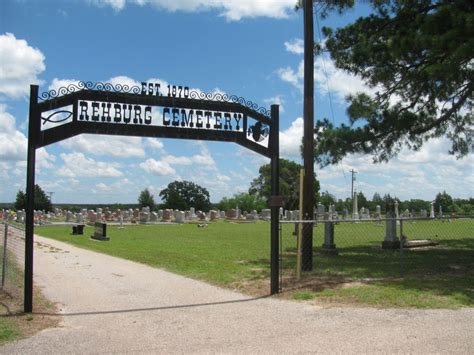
(327, 199)
(245, 202)
(146, 199)
(445, 201)
(289, 183)
(417, 56)
(41, 201)
(362, 200)
(183, 195)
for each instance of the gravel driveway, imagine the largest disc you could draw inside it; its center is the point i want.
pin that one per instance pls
(111, 305)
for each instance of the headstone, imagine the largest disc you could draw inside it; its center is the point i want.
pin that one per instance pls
(153, 217)
(193, 213)
(144, 217)
(440, 214)
(266, 214)
(20, 216)
(346, 213)
(213, 215)
(287, 215)
(222, 213)
(179, 217)
(69, 216)
(355, 214)
(126, 215)
(423, 213)
(91, 216)
(432, 214)
(231, 214)
(280, 213)
(166, 215)
(397, 215)
(136, 214)
(100, 231)
(391, 240)
(329, 248)
(378, 212)
(79, 218)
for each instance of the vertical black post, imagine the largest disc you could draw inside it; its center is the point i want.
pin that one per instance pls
(308, 139)
(33, 128)
(275, 167)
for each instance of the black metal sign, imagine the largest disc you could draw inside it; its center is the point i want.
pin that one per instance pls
(148, 110)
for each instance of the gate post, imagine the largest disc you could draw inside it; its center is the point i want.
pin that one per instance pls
(275, 191)
(33, 132)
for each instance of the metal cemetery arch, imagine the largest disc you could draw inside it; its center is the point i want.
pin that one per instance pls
(104, 108)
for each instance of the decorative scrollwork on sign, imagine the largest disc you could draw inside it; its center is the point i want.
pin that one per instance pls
(258, 131)
(222, 97)
(172, 91)
(87, 85)
(67, 115)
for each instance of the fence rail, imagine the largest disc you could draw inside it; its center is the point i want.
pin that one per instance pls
(12, 253)
(350, 250)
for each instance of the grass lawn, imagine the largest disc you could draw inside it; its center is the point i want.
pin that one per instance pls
(237, 256)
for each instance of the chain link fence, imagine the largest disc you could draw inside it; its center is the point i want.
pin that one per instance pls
(12, 253)
(342, 251)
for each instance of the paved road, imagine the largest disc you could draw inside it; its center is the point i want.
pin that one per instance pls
(110, 305)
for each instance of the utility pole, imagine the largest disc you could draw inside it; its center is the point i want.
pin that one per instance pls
(308, 136)
(352, 184)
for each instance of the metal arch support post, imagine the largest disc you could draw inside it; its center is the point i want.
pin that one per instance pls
(275, 191)
(33, 133)
(308, 140)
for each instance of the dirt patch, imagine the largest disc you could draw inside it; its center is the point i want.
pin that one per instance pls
(27, 324)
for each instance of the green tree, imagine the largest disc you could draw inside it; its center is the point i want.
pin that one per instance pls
(183, 195)
(41, 200)
(245, 202)
(418, 58)
(146, 199)
(327, 199)
(289, 183)
(362, 200)
(445, 201)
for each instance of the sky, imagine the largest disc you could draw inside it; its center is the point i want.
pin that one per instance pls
(249, 48)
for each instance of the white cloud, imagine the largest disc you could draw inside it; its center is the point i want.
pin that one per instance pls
(232, 10)
(295, 46)
(421, 174)
(327, 78)
(330, 79)
(115, 146)
(117, 5)
(155, 167)
(20, 66)
(123, 80)
(13, 143)
(44, 160)
(276, 100)
(290, 76)
(290, 139)
(154, 144)
(77, 164)
(164, 166)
